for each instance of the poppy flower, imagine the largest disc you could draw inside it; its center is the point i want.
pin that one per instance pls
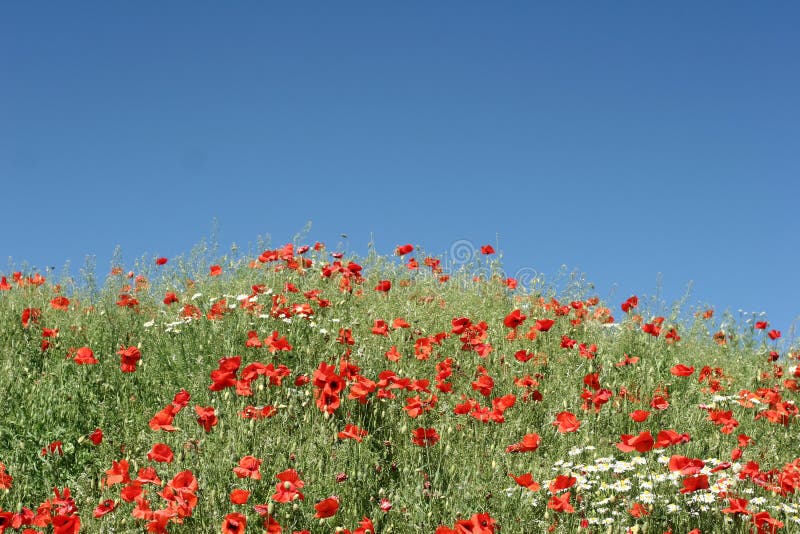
(326, 507)
(352, 432)
(148, 475)
(288, 489)
(641, 443)
(402, 250)
(66, 524)
(248, 468)
(543, 325)
(161, 453)
(639, 415)
(529, 443)
(105, 507)
(118, 474)
(561, 482)
(629, 304)
(5, 478)
(234, 523)
(161, 261)
(637, 510)
(55, 447)
(128, 358)
(96, 437)
(424, 437)
(206, 417)
(566, 422)
(561, 503)
(83, 356)
(273, 527)
(686, 466)
(774, 334)
(737, 506)
(514, 319)
(694, 483)
(681, 370)
(60, 303)
(526, 481)
(239, 496)
(761, 325)
(384, 285)
(487, 250)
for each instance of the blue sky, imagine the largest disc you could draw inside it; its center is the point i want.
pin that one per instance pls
(620, 139)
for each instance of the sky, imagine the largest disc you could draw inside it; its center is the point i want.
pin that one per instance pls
(648, 147)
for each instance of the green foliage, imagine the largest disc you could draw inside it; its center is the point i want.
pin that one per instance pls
(46, 397)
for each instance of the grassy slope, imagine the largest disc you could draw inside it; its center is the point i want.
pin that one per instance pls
(46, 397)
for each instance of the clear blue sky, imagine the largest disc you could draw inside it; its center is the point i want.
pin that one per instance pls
(621, 139)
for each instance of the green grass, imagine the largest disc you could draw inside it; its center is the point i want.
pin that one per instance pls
(46, 397)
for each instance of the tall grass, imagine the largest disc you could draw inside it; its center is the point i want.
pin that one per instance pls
(597, 367)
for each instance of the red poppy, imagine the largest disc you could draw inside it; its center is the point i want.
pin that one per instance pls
(402, 250)
(131, 492)
(206, 417)
(514, 319)
(639, 415)
(273, 527)
(55, 447)
(326, 507)
(66, 524)
(83, 356)
(487, 249)
(239, 496)
(566, 422)
(526, 481)
(686, 466)
(561, 503)
(118, 474)
(774, 334)
(543, 325)
(288, 489)
(148, 475)
(60, 303)
(384, 285)
(637, 510)
(161, 453)
(424, 437)
(352, 432)
(681, 370)
(234, 523)
(629, 304)
(128, 358)
(761, 325)
(248, 468)
(161, 261)
(96, 437)
(162, 420)
(694, 483)
(215, 270)
(109, 505)
(641, 443)
(529, 443)
(561, 482)
(5, 478)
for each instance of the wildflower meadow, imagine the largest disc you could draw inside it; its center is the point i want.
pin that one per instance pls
(302, 390)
